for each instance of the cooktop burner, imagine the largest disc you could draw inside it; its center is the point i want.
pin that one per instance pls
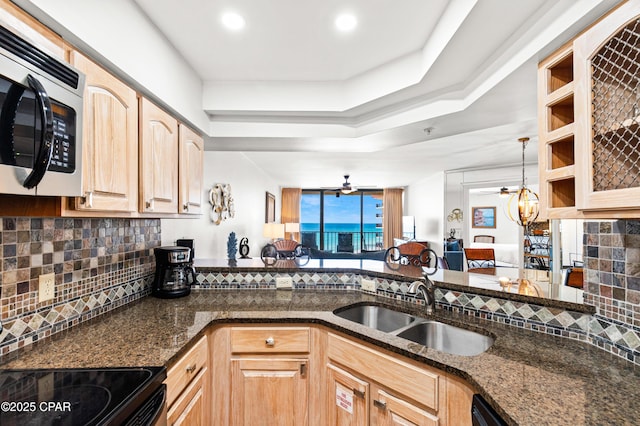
(75, 397)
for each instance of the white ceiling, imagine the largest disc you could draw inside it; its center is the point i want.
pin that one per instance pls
(290, 90)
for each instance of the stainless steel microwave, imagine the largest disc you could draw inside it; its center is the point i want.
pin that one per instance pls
(40, 121)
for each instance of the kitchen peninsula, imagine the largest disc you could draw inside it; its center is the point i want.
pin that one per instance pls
(529, 377)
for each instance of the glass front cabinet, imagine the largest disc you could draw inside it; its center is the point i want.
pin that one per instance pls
(589, 132)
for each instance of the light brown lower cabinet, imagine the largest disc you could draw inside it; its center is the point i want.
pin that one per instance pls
(190, 408)
(266, 392)
(309, 375)
(188, 391)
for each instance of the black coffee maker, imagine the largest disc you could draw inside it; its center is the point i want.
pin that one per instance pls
(174, 272)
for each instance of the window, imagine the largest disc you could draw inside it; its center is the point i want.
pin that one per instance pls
(343, 222)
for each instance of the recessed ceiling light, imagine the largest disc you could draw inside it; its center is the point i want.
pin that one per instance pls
(233, 21)
(346, 22)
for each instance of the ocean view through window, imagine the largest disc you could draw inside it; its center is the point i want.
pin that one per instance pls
(344, 223)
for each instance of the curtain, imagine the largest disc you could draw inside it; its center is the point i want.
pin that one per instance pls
(392, 215)
(290, 211)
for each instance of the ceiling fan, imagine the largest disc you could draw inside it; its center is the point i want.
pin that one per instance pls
(503, 192)
(346, 188)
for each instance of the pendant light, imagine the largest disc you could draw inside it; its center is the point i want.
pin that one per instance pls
(528, 202)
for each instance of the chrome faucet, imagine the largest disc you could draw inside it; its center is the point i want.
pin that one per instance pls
(426, 291)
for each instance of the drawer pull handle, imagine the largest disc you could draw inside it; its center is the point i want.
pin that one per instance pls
(380, 404)
(270, 341)
(191, 368)
(303, 369)
(358, 393)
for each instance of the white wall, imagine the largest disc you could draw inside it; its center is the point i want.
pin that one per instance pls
(116, 31)
(248, 186)
(424, 199)
(506, 231)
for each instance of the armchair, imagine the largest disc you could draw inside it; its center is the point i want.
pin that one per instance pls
(282, 249)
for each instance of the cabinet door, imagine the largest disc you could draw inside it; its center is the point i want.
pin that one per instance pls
(269, 392)
(190, 408)
(389, 410)
(608, 112)
(110, 141)
(190, 171)
(347, 398)
(158, 160)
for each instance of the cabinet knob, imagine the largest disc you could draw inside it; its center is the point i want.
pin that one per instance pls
(270, 341)
(191, 368)
(185, 207)
(149, 205)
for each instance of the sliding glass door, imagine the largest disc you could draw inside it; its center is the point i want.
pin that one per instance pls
(338, 222)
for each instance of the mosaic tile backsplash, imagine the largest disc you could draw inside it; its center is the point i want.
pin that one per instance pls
(612, 285)
(99, 265)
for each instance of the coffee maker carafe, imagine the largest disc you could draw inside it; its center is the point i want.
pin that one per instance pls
(174, 272)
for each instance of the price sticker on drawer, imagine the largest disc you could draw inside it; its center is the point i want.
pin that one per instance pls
(344, 398)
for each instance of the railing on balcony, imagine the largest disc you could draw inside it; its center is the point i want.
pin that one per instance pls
(359, 241)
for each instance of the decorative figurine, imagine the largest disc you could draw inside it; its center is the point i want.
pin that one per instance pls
(244, 248)
(232, 246)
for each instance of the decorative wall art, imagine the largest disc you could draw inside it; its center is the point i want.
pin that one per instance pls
(270, 208)
(456, 214)
(484, 217)
(221, 201)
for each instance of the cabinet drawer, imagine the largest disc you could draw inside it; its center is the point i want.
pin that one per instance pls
(270, 339)
(182, 372)
(394, 374)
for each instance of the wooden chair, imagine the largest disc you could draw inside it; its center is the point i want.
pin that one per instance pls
(410, 253)
(482, 260)
(484, 239)
(573, 277)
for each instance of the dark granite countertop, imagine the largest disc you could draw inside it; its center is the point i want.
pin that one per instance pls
(530, 378)
(552, 295)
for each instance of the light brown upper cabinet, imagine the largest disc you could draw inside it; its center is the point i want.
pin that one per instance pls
(190, 171)
(607, 92)
(589, 121)
(110, 141)
(158, 160)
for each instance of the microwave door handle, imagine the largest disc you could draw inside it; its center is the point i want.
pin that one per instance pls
(7, 124)
(43, 156)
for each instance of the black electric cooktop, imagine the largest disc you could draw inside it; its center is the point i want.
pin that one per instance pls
(75, 396)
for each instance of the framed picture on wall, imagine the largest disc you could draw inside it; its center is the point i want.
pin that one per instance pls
(270, 208)
(483, 217)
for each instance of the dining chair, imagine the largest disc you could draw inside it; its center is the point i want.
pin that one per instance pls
(573, 277)
(484, 239)
(480, 260)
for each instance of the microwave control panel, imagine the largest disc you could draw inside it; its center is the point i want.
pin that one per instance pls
(63, 150)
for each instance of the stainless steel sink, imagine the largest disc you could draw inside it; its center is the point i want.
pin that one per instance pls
(447, 338)
(377, 317)
(432, 334)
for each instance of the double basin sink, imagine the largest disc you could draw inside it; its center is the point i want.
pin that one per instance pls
(432, 334)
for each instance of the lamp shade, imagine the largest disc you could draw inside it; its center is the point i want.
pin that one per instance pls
(292, 227)
(273, 230)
